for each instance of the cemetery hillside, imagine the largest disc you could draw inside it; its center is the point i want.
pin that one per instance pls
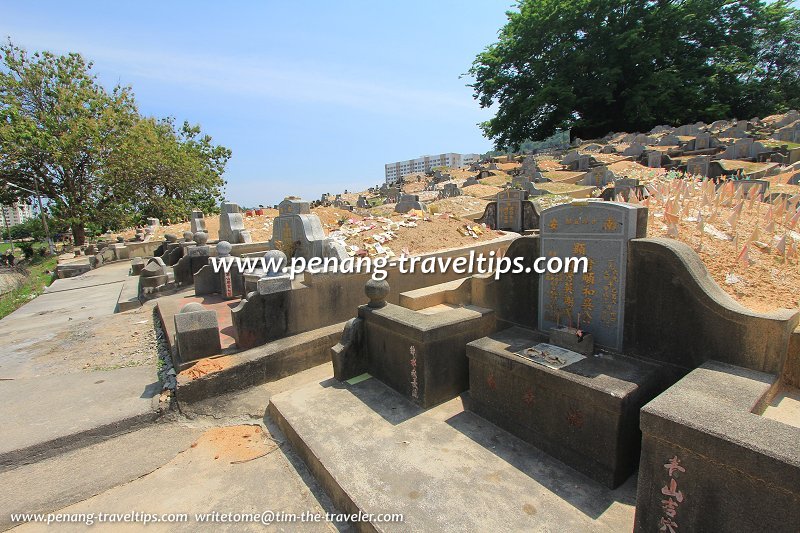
(271, 322)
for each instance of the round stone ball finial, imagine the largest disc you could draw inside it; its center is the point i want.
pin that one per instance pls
(120, 238)
(192, 307)
(376, 291)
(188, 236)
(200, 238)
(171, 237)
(224, 249)
(278, 258)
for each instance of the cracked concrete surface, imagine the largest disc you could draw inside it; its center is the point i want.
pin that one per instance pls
(161, 469)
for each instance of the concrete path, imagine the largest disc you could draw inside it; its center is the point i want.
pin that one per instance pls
(444, 469)
(72, 372)
(183, 464)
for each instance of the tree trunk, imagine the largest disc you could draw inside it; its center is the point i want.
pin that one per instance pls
(78, 234)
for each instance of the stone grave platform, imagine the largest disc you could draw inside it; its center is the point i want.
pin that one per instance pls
(169, 306)
(443, 468)
(262, 364)
(585, 413)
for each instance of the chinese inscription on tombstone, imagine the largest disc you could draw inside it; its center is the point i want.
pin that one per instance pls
(592, 301)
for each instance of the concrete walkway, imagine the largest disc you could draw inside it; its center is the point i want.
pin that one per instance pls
(182, 464)
(52, 398)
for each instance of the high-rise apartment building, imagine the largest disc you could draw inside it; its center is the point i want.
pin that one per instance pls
(425, 163)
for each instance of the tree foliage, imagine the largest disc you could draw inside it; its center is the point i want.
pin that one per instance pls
(90, 152)
(596, 66)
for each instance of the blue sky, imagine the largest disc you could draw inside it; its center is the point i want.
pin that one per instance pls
(311, 97)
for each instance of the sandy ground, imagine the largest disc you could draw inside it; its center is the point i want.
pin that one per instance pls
(767, 281)
(205, 366)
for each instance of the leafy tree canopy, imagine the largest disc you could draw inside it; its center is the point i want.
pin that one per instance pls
(90, 152)
(596, 66)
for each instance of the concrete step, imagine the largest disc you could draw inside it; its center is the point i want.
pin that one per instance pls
(443, 468)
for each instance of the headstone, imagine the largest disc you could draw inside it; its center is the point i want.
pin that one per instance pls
(408, 202)
(593, 301)
(231, 223)
(449, 190)
(196, 333)
(297, 231)
(747, 185)
(702, 141)
(669, 140)
(698, 166)
(509, 209)
(153, 222)
(654, 159)
(198, 221)
(362, 202)
(634, 150)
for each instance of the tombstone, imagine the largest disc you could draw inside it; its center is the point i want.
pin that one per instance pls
(392, 194)
(529, 168)
(747, 185)
(687, 130)
(472, 180)
(509, 209)
(634, 150)
(296, 231)
(196, 253)
(231, 223)
(408, 202)
(698, 166)
(137, 264)
(198, 221)
(624, 186)
(449, 190)
(593, 301)
(644, 140)
(153, 222)
(702, 141)
(196, 333)
(669, 140)
(570, 158)
(598, 177)
(608, 149)
(654, 159)
(153, 276)
(362, 202)
(523, 183)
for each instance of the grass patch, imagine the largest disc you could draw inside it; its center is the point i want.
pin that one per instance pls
(33, 286)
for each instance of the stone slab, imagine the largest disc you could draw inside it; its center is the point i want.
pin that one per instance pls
(738, 470)
(46, 415)
(585, 414)
(443, 468)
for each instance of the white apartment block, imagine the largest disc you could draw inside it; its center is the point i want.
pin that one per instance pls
(15, 214)
(394, 171)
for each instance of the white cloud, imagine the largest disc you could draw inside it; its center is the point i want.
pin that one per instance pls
(262, 78)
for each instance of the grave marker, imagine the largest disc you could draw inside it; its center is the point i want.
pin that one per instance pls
(593, 301)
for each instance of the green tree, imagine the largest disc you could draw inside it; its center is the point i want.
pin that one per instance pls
(160, 171)
(595, 66)
(100, 164)
(58, 126)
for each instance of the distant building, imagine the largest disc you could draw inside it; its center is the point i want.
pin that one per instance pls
(425, 163)
(15, 214)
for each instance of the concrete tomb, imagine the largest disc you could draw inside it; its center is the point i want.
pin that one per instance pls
(511, 210)
(408, 202)
(299, 233)
(196, 334)
(198, 221)
(231, 224)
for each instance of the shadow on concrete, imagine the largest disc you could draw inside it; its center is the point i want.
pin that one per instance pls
(151, 390)
(584, 494)
(394, 408)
